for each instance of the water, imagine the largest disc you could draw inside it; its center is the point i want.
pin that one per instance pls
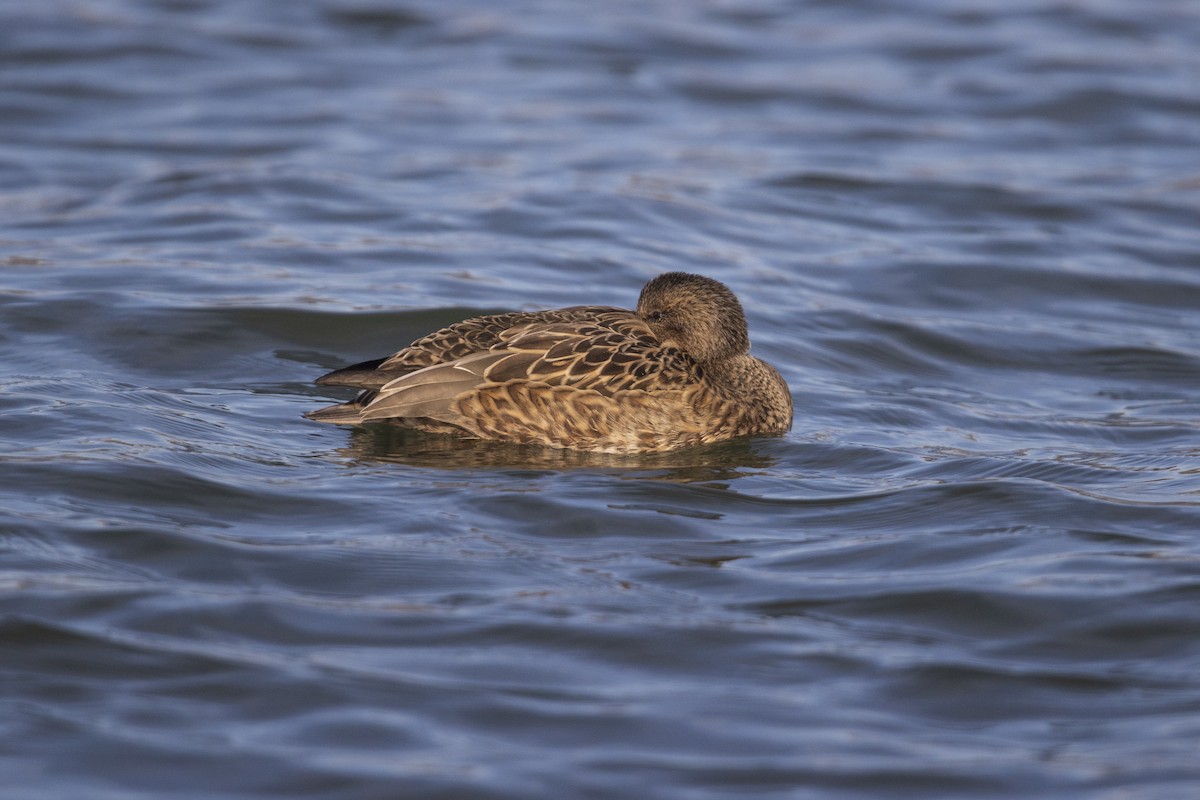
(967, 235)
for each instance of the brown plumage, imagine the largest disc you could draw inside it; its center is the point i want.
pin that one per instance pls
(676, 372)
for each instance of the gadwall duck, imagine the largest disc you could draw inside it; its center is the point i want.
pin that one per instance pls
(675, 373)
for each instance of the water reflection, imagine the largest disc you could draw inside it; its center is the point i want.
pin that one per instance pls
(395, 444)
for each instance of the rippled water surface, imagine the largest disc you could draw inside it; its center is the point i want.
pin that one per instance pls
(967, 233)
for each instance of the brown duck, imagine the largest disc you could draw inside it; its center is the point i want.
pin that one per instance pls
(675, 373)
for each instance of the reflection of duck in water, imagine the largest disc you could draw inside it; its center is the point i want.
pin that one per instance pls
(717, 465)
(675, 373)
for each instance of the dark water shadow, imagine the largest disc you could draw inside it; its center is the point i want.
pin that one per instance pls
(393, 444)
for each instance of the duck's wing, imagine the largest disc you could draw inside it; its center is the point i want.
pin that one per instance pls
(459, 341)
(601, 356)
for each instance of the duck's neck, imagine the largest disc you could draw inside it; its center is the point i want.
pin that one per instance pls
(746, 379)
(732, 377)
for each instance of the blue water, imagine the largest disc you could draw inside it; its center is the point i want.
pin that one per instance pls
(967, 234)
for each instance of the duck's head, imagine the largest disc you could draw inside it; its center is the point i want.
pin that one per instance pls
(698, 315)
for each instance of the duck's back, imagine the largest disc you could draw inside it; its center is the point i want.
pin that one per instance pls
(458, 341)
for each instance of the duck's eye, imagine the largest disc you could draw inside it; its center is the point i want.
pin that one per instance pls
(654, 316)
